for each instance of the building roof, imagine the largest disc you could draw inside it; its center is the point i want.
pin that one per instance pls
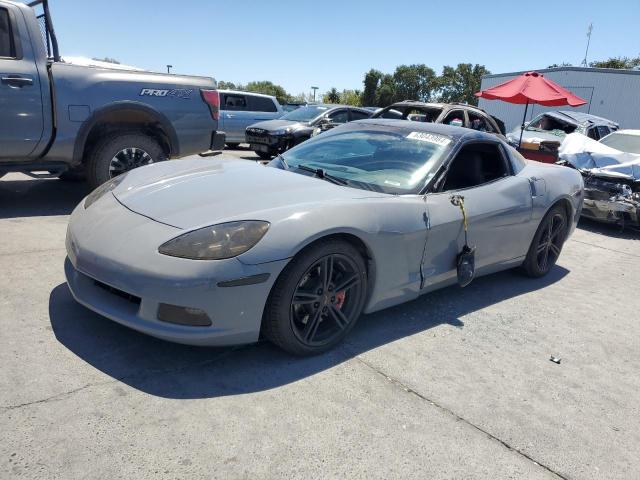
(617, 71)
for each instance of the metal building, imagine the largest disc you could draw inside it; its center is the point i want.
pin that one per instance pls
(610, 93)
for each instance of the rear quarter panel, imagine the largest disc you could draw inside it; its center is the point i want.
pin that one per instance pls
(88, 90)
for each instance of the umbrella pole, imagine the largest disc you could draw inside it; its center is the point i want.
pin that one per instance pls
(522, 126)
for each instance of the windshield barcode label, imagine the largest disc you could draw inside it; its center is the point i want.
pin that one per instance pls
(430, 137)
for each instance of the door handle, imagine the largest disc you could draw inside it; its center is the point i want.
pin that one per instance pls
(17, 82)
(230, 116)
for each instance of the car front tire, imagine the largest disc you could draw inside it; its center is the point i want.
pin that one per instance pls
(317, 298)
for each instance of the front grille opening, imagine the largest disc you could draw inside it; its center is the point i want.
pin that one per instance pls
(119, 293)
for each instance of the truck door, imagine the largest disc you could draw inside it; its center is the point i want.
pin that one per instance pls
(21, 115)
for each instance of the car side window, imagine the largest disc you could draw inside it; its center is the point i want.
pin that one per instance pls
(7, 45)
(479, 122)
(261, 104)
(603, 131)
(593, 133)
(476, 164)
(359, 115)
(234, 102)
(455, 118)
(339, 116)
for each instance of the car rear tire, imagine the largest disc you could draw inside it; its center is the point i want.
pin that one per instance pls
(265, 155)
(120, 152)
(547, 243)
(317, 298)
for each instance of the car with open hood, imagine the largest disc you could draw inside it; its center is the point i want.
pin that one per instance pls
(547, 130)
(276, 136)
(368, 215)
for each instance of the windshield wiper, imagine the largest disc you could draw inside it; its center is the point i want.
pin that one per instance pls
(283, 161)
(320, 173)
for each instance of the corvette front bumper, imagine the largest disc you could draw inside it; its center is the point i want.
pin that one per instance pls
(113, 268)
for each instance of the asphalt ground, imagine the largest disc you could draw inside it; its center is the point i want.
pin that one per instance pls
(455, 385)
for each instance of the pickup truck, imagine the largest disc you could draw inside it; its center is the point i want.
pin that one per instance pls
(59, 119)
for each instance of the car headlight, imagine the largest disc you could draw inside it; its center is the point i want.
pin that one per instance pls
(217, 242)
(106, 187)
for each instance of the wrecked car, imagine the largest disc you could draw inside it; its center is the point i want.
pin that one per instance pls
(456, 114)
(547, 131)
(611, 173)
(365, 216)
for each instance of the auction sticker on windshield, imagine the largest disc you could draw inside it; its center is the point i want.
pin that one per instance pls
(430, 137)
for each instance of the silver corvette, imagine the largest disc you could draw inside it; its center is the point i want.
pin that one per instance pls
(368, 215)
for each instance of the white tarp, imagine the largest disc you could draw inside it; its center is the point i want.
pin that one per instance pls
(586, 154)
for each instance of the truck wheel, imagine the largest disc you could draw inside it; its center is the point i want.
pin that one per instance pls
(119, 153)
(265, 155)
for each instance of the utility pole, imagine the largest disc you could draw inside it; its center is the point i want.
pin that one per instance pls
(169, 67)
(314, 92)
(589, 30)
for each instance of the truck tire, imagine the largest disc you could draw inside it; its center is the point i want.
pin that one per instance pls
(265, 155)
(120, 152)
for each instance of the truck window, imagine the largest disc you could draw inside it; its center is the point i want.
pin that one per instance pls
(478, 122)
(7, 47)
(260, 104)
(234, 102)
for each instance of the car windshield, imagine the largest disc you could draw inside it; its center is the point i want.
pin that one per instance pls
(305, 114)
(373, 157)
(547, 123)
(623, 142)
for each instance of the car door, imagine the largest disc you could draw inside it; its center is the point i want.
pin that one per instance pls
(498, 205)
(21, 114)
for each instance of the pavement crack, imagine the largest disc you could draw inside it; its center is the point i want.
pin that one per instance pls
(123, 378)
(414, 392)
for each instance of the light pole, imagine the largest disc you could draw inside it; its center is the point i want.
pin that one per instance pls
(169, 67)
(314, 92)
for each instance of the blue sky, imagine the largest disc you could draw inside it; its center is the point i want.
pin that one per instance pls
(332, 43)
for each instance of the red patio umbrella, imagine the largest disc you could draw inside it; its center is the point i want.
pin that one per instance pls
(531, 87)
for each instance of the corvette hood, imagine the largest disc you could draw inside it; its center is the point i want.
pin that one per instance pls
(192, 193)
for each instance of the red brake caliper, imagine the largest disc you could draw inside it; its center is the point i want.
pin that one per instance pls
(340, 296)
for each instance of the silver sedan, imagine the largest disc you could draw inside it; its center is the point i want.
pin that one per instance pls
(368, 215)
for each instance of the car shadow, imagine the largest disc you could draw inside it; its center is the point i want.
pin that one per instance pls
(38, 197)
(608, 229)
(183, 372)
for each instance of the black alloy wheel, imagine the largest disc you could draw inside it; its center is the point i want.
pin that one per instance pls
(325, 300)
(317, 299)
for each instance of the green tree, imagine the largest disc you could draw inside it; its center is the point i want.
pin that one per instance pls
(268, 88)
(386, 92)
(617, 62)
(227, 85)
(351, 97)
(371, 84)
(460, 83)
(332, 96)
(414, 82)
(106, 59)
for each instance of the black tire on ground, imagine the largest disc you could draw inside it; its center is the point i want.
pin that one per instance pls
(232, 145)
(265, 155)
(303, 319)
(100, 158)
(547, 243)
(74, 175)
